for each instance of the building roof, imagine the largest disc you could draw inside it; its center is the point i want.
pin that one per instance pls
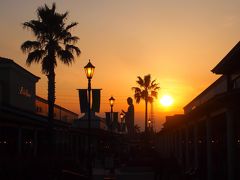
(217, 87)
(230, 64)
(173, 121)
(10, 62)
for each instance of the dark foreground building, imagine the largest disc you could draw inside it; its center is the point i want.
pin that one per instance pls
(23, 129)
(206, 139)
(23, 115)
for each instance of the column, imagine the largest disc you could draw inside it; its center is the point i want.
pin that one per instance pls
(162, 144)
(187, 160)
(231, 149)
(169, 144)
(77, 147)
(196, 150)
(166, 145)
(71, 144)
(180, 147)
(209, 149)
(175, 144)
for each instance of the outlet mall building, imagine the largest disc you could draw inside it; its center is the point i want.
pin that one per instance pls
(23, 118)
(206, 138)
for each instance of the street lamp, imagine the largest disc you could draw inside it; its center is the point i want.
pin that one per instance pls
(111, 101)
(149, 124)
(89, 70)
(121, 117)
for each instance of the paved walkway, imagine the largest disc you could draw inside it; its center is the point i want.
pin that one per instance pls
(129, 173)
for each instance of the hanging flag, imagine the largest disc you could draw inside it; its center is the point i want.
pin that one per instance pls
(96, 95)
(83, 100)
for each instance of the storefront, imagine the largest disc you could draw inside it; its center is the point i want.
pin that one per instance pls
(206, 138)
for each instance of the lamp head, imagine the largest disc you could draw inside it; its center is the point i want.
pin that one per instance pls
(111, 100)
(121, 115)
(89, 70)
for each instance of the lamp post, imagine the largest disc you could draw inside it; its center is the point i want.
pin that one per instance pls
(121, 117)
(149, 125)
(111, 101)
(89, 70)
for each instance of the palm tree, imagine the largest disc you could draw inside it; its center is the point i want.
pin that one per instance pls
(53, 41)
(146, 90)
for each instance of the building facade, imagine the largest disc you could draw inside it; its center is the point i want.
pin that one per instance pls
(24, 122)
(206, 138)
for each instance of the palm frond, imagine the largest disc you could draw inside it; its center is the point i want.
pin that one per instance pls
(154, 94)
(62, 35)
(150, 99)
(136, 89)
(28, 46)
(35, 56)
(65, 56)
(53, 7)
(72, 39)
(137, 97)
(71, 25)
(140, 81)
(147, 80)
(36, 27)
(73, 49)
(153, 82)
(64, 15)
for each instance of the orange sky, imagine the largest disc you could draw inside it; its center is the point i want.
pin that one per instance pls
(177, 42)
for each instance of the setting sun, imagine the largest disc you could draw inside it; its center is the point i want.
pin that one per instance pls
(166, 100)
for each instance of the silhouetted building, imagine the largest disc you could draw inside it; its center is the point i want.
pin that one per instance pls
(206, 139)
(17, 86)
(24, 124)
(18, 91)
(23, 115)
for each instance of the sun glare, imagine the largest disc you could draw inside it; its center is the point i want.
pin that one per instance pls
(166, 100)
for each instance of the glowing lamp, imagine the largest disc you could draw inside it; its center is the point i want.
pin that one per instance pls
(89, 70)
(111, 100)
(121, 115)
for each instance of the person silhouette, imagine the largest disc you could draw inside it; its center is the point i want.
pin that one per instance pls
(129, 116)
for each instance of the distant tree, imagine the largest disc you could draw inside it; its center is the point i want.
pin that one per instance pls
(53, 41)
(146, 90)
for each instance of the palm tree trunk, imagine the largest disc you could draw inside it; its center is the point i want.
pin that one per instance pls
(146, 115)
(51, 100)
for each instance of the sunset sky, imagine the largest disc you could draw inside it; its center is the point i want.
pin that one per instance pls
(177, 42)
